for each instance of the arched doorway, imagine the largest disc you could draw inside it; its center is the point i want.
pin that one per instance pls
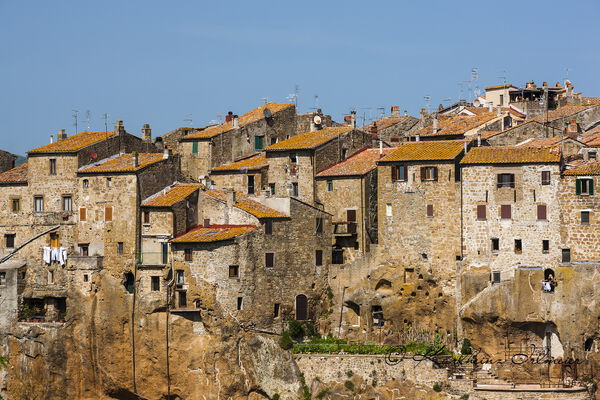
(129, 282)
(549, 274)
(301, 307)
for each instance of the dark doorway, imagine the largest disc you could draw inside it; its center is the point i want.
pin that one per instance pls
(301, 307)
(129, 282)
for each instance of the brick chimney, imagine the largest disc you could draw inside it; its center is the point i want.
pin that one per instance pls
(136, 160)
(62, 135)
(147, 133)
(423, 114)
(572, 129)
(229, 116)
(395, 112)
(119, 128)
(231, 198)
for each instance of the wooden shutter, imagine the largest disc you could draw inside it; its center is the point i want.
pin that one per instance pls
(505, 211)
(351, 215)
(394, 173)
(82, 214)
(435, 173)
(194, 147)
(301, 307)
(578, 186)
(108, 214)
(541, 212)
(423, 173)
(591, 186)
(545, 177)
(269, 260)
(430, 210)
(481, 212)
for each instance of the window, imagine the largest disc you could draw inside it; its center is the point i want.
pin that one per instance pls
(10, 240)
(84, 249)
(495, 244)
(194, 147)
(585, 217)
(399, 173)
(269, 260)
(545, 246)
(293, 158)
(330, 185)
(337, 256)
(188, 255)
(50, 276)
(67, 204)
(430, 210)
(566, 255)
(429, 173)
(15, 205)
(38, 204)
(82, 214)
(85, 184)
(273, 140)
(545, 177)
(319, 225)
(86, 278)
(541, 212)
(250, 185)
(501, 100)
(388, 210)
(344, 154)
(182, 299)
(268, 227)
(52, 166)
(276, 310)
(240, 303)
(234, 271)
(259, 142)
(505, 211)
(108, 214)
(155, 283)
(108, 182)
(272, 188)
(180, 276)
(318, 257)
(518, 246)
(506, 180)
(591, 155)
(481, 212)
(3, 279)
(146, 217)
(165, 252)
(495, 276)
(120, 248)
(295, 189)
(584, 186)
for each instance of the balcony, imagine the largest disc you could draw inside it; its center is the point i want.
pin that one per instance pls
(346, 228)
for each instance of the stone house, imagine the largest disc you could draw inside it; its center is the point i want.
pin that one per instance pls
(293, 163)
(248, 175)
(267, 258)
(7, 161)
(236, 138)
(511, 215)
(348, 190)
(419, 206)
(571, 149)
(516, 134)
(586, 116)
(393, 129)
(580, 207)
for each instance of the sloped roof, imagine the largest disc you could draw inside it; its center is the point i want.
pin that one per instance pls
(386, 122)
(589, 168)
(563, 112)
(457, 125)
(15, 175)
(245, 119)
(511, 155)
(501, 87)
(546, 142)
(74, 143)
(310, 140)
(248, 205)
(590, 100)
(213, 233)
(255, 162)
(426, 151)
(124, 163)
(172, 195)
(358, 164)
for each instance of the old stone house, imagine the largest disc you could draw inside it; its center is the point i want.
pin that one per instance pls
(519, 133)
(393, 129)
(348, 190)
(7, 161)
(511, 215)
(293, 163)
(236, 138)
(248, 175)
(267, 262)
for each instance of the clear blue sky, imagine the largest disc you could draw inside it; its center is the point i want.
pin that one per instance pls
(157, 62)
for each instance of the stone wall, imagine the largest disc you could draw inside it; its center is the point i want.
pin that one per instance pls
(7, 161)
(522, 132)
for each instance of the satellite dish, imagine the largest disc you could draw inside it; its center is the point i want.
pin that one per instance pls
(476, 103)
(317, 120)
(267, 113)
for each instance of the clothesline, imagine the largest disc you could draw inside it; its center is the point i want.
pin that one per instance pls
(58, 254)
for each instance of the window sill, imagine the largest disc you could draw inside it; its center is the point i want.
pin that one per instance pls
(481, 219)
(518, 252)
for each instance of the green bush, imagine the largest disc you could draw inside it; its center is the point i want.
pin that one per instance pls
(437, 387)
(322, 394)
(349, 385)
(349, 374)
(466, 347)
(329, 293)
(296, 329)
(276, 396)
(286, 341)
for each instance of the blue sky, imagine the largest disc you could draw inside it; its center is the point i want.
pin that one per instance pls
(165, 62)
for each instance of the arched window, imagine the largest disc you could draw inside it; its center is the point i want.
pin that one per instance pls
(549, 274)
(301, 307)
(129, 282)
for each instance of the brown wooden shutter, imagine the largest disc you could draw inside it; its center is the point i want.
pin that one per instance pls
(505, 211)
(541, 212)
(481, 212)
(351, 215)
(435, 173)
(394, 173)
(82, 214)
(430, 210)
(423, 173)
(108, 214)
(269, 260)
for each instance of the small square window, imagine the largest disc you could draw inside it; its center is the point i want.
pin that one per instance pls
(146, 217)
(566, 255)
(585, 217)
(234, 271)
(330, 185)
(506, 180)
(481, 212)
(10, 240)
(293, 158)
(542, 212)
(85, 183)
(240, 303)
(399, 173)
(495, 276)
(268, 227)
(319, 225)
(518, 246)
(430, 210)
(276, 310)
(505, 211)
(15, 205)
(295, 189)
(545, 177)
(120, 248)
(584, 186)
(545, 246)
(67, 204)
(429, 173)
(188, 254)
(272, 188)
(155, 283)
(84, 249)
(495, 244)
(52, 166)
(38, 203)
(86, 278)
(269, 260)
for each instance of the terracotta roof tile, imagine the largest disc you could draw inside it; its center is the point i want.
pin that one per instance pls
(590, 100)
(501, 87)
(386, 122)
(544, 142)
(245, 119)
(590, 168)
(562, 112)
(172, 195)
(457, 125)
(426, 151)
(74, 143)
(358, 164)
(15, 175)
(310, 140)
(255, 162)
(124, 163)
(213, 233)
(244, 203)
(511, 155)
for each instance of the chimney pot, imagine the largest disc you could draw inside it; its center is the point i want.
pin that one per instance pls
(490, 107)
(235, 122)
(51, 139)
(353, 118)
(62, 134)
(395, 112)
(136, 160)
(206, 222)
(229, 116)
(119, 128)
(499, 111)
(479, 139)
(146, 133)
(231, 198)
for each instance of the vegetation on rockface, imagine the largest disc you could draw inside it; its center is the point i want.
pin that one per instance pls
(437, 387)
(296, 332)
(466, 347)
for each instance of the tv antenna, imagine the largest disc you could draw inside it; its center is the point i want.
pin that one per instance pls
(188, 119)
(105, 117)
(381, 112)
(316, 107)
(265, 100)
(427, 99)
(88, 119)
(567, 70)
(502, 76)
(75, 114)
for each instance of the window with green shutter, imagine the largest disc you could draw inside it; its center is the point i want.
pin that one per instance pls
(584, 186)
(259, 142)
(194, 147)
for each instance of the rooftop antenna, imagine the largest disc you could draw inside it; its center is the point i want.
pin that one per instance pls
(316, 107)
(567, 70)
(88, 118)
(475, 79)
(75, 113)
(294, 96)
(381, 112)
(502, 76)
(265, 100)
(105, 117)
(364, 117)
(188, 119)
(427, 99)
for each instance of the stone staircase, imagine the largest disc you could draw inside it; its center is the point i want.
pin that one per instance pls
(487, 377)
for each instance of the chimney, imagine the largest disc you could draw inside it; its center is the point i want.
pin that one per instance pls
(405, 113)
(380, 149)
(558, 84)
(206, 222)
(231, 198)
(479, 139)
(136, 160)
(62, 135)
(572, 129)
(423, 113)
(465, 143)
(417, 137)
(119, 128)
(168, 153)
(545, 84)
(147, 133)
(51, 139)
(229, 116)
(313, 126)
(353, 119)
(235, 122)
(395, 111)
(490, 107)
(499, 113)
(435, 124)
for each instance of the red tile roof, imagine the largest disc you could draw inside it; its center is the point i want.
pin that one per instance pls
(74, 143)
(124, 163)
(15, 175)
(252, 163)
(310, 140)
(173, 195)
(213, 233)
(590, 168)
(563, 112)
(457, 125)
(426, 151)
(358, 164)
(511, 155)
(244, 203)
